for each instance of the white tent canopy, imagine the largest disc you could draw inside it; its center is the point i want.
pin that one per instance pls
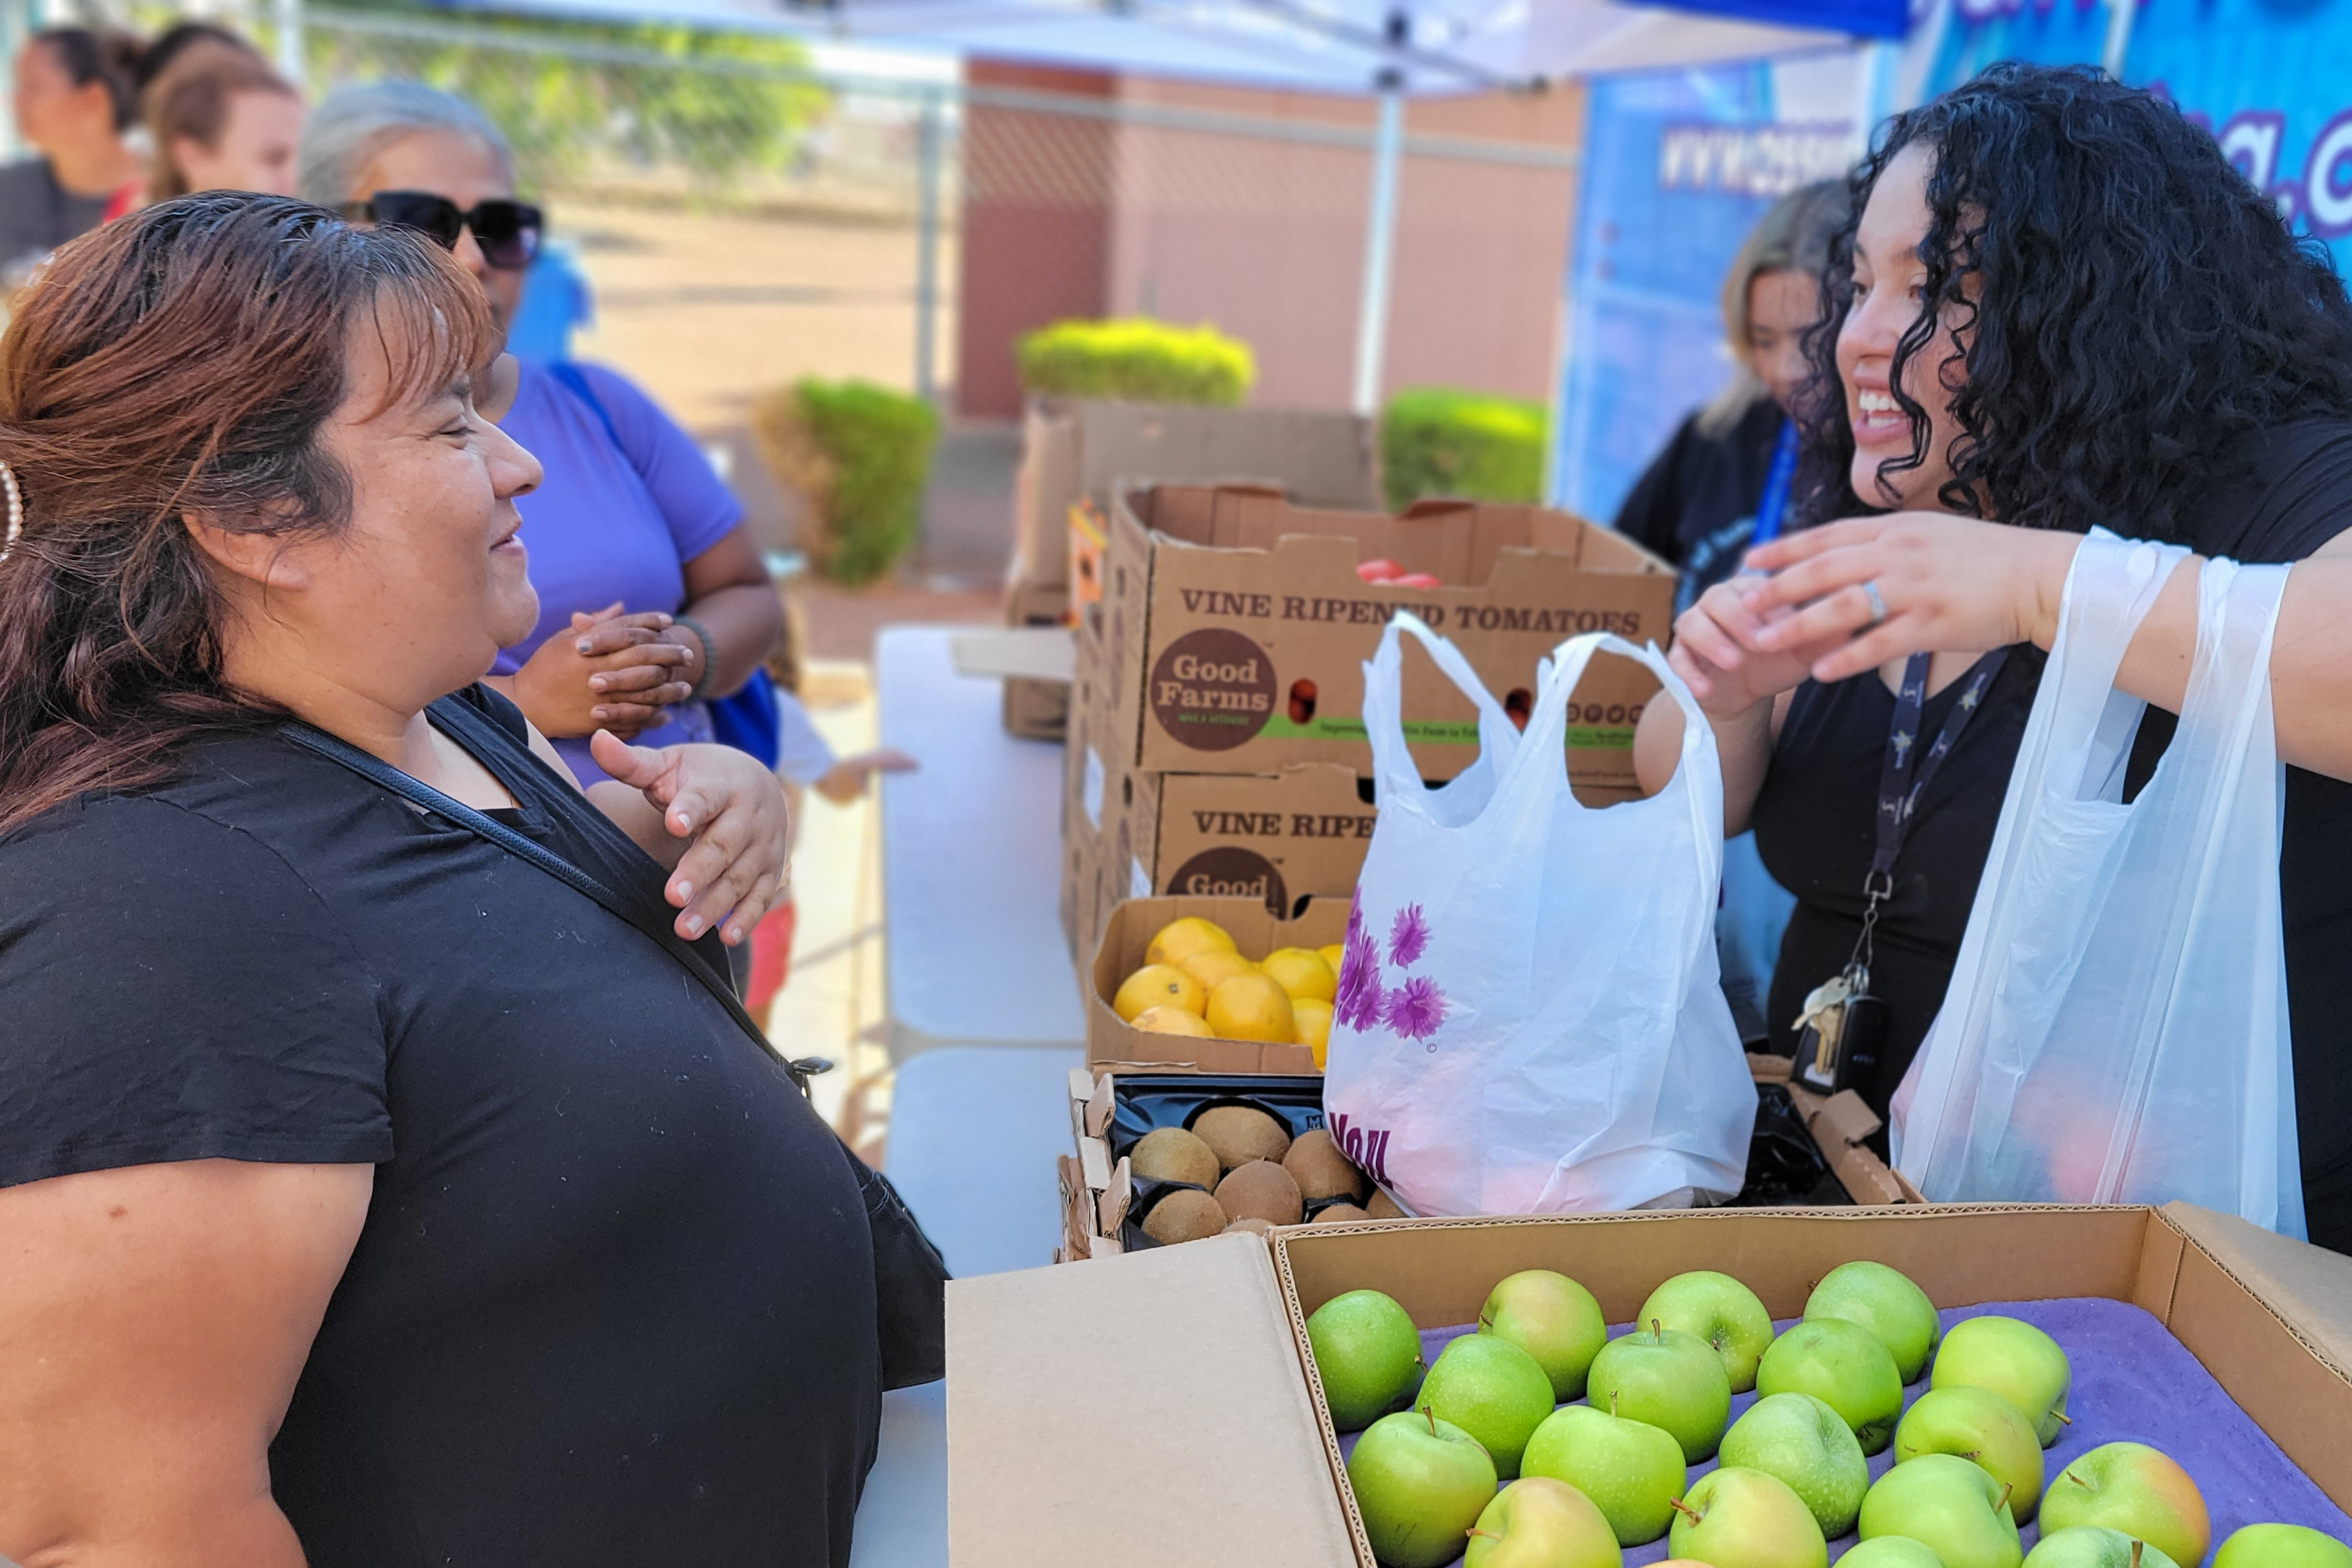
(1331, 45)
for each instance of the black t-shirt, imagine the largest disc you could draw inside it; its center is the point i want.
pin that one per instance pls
(1815, 825)
(37, 214)
(612, 1303)
(1695, 506)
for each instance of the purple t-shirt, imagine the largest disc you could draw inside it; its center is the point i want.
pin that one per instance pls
(610, 522)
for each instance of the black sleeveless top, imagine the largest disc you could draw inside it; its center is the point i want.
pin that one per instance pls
(612, 1303)
(1815, 826)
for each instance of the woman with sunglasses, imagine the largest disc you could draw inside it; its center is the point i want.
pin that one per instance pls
(652, 595)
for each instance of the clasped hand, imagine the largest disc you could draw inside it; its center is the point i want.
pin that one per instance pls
(614, 671)
(723, 821)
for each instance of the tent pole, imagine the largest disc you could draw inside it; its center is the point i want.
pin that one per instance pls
(289, 40)
(1380, 247)
(2121, 14)
(927, 241)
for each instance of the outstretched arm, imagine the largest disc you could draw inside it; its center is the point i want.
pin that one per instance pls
(1953, 584)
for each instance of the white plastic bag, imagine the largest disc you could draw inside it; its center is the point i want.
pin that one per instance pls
(2116, 1030)
(1529, 1019)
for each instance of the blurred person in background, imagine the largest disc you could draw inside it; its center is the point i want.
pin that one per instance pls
(1705, 497)
(222, 120)
(76, 95)
(1722, 484)
(653, 599)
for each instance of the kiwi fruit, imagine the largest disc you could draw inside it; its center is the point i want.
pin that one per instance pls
(1383, 1206)
(1240, 1135)
(1263, 1190)
(1315, 1163)
(1250, 1222)
(1172, 1154)
(1340, 1212)
(1184, 1214)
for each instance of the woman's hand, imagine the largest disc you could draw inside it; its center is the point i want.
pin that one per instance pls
(719, 822)
(1719, 652)
(614, 672)
(1949, 584)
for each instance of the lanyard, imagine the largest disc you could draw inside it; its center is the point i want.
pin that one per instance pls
(1905, 772)
(1773, 505)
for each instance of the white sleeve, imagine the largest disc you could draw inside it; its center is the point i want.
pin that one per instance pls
(803, 756)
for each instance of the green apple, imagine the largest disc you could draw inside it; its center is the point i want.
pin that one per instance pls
(1842, 1365)
(1949, 1505)
(1720, 1310)
(1670, 1379)
(1491, 1389)
(1554, 1319)
(2016, 1361)
(1890, 1552)
(1420, 1483)
(1808, 1444)
(1885, 1301)
(1538, 1522)
(2093, 1546)
(1745, 1519)
(1979, 1425)
(1367, 1353)
(1632, 1470)
(2282, 1546)
(2135, 1489)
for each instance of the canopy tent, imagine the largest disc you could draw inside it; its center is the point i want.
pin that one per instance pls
(1332, 46)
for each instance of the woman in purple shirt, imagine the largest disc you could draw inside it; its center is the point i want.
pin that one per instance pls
(652, 596)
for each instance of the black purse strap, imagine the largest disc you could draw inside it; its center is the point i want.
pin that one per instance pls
(418, 793)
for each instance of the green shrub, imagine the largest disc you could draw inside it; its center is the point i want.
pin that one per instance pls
(859, 454)
(1436, 441)
(1137, 360)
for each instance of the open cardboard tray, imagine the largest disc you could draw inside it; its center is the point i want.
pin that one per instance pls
(1162, 1408)
(1255, 931)
(1807, 1150)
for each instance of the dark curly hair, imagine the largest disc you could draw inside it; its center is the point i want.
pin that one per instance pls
(2140, 308)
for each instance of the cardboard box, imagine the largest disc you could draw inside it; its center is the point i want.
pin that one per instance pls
(1129, 930)
(1175, 1385)
(1036, 709)
(1234, 628)
(1074, 451)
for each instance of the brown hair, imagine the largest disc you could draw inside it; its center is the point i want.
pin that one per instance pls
(192, 101)
(109, 58)
(180, 360)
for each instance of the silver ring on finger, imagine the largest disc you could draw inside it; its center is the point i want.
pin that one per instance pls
(1877, 601)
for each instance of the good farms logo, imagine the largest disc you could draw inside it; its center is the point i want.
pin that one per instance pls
(1229, 872)
(1212, 689)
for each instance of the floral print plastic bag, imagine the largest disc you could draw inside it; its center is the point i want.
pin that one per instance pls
(1528, 1018)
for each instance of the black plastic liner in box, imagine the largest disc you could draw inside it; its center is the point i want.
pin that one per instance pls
(1784, 1164)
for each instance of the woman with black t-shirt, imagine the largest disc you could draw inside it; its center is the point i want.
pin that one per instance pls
(371, 1192)
(2058, 307)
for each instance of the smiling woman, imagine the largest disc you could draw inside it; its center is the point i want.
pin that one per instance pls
(371, 1197)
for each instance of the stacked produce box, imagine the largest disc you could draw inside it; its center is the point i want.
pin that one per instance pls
(1074, 449)
(1216, 739)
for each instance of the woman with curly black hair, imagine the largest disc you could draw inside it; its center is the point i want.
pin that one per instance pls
(2057, 307)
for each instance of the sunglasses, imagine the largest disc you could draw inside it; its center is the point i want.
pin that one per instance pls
(506, 231)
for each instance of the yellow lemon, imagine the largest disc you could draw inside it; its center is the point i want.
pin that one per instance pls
(1213, 967)
(1332, 955)
(1302, 972)
(1314, 1023)
(1158, 985)
(1252, 1007)
(1170, 1021)
(1180, 939)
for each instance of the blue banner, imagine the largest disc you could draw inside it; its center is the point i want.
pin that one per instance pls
(1678, 166)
